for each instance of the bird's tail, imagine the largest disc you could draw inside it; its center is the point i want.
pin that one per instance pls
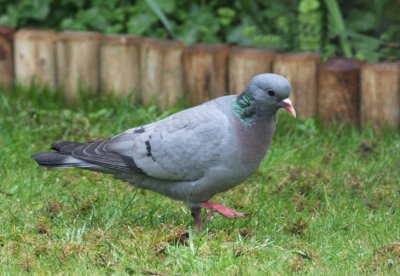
(61, 158)
(57, 160)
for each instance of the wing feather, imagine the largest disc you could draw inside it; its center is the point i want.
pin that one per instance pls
(93, 153)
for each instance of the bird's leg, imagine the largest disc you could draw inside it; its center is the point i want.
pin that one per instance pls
(196, 216)
(223, 210)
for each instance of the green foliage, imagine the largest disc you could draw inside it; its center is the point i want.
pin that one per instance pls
(370, 30)
(367, 30)
(272, 24)
(155, 7)
(337, 26)
(310, 25)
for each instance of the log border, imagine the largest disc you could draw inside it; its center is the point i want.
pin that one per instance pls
(217, 77)
(6, 56)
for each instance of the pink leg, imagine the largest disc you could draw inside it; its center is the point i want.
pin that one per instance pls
(223, 210)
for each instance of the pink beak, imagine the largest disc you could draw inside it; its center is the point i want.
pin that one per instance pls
(289, 107)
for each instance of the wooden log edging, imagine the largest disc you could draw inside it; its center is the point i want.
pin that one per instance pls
(380, 94)
(35, 57)
(245, 63)
(120, 64)
(339, 90)
(301, 69)
(6, 56)
(162, 72)
(206, 72)
(78, 63)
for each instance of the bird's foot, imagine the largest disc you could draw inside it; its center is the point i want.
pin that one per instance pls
(223, 210)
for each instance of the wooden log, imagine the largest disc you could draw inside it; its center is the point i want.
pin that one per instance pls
(244, 64)
(35, 57)
(6, 56)
(301, 69)
(206, 69)
(78, 63)
(120, 64)
(380, 94)
(162, 72)
(339, 90)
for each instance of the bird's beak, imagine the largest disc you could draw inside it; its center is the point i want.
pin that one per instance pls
(289, 107)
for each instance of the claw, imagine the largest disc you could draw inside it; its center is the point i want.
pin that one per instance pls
(210, 215)
(214, 208)
(223, 210)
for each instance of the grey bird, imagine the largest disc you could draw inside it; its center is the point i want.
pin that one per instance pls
(193, 154)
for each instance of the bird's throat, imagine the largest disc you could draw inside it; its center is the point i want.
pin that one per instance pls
(244, 107)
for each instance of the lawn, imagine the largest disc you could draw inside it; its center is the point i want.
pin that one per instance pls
(325, 200)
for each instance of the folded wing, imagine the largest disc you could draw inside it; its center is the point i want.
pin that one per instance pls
(181, 147)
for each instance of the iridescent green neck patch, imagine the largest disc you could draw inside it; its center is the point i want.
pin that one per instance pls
(244, 108)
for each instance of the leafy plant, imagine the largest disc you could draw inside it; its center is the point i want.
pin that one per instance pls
(310, 25)
(272, 25)
(367, 30)
(339, 27)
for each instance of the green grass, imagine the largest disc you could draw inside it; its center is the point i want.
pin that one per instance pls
(325, 200)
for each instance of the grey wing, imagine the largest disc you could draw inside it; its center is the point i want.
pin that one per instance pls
(181, 147)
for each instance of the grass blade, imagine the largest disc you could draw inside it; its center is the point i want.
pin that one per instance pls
(337, 17)
(161, 16)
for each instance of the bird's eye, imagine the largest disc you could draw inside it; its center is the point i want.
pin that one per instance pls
(271, 93)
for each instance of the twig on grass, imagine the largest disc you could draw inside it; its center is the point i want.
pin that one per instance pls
(5, 193)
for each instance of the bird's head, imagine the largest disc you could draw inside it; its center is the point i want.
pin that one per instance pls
(270, 92)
